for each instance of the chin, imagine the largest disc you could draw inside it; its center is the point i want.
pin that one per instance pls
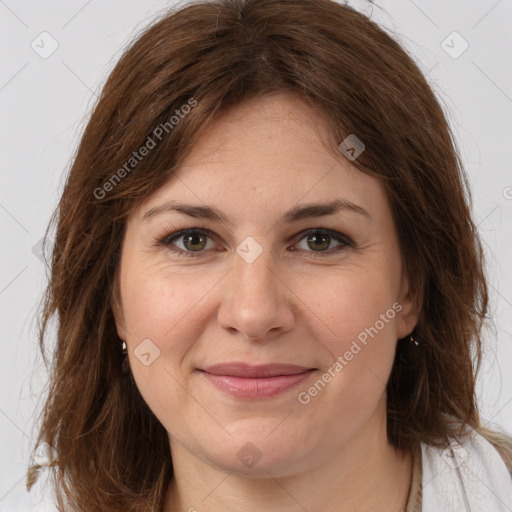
(258, 456)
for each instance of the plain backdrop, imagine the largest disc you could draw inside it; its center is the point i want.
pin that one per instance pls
(55, 57)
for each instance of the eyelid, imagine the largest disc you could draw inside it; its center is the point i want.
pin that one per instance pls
(343, 239)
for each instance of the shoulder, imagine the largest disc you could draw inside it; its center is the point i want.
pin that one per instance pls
(502, 443)
(467, 471)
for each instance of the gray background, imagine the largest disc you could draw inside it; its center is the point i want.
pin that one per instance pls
(44, 106)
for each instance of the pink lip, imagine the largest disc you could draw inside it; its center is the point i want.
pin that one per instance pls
(247, 381)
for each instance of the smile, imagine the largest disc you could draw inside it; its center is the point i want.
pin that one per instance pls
(255, 382)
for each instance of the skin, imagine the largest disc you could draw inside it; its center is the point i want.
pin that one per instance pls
(292, 304)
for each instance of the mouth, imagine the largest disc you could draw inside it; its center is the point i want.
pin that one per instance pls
(255, 382)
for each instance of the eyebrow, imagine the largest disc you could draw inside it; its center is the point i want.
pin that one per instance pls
(295, 214)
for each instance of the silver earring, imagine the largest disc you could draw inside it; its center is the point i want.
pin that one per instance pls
(413, 340)
(125, 367)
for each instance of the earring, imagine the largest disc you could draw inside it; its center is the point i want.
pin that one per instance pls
(415, 343)
(413, 340)
(125, 366)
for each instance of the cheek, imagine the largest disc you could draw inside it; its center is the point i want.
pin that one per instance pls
(160, 304)
(349, 303)
(163, 310)
(166, 308)
(360, 311)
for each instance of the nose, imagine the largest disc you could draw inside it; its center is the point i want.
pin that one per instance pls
(256, 302)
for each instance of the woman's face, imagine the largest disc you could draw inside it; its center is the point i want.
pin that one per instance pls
(264, 281)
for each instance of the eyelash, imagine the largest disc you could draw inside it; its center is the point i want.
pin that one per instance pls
(167, 240)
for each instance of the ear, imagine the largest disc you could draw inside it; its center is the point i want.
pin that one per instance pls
(117, 308)
(411, 301)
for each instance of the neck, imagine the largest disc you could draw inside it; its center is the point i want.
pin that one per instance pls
(367, 474)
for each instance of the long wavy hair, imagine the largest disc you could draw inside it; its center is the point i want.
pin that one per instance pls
(110, 453)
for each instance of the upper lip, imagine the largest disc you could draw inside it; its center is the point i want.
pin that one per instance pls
(247, 370)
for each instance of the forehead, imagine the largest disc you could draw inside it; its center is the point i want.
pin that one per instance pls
(272, 125)
(269, 152)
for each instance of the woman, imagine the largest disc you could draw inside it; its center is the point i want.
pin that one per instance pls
(269, 287)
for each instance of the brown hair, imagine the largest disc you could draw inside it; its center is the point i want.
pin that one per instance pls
(112, 454)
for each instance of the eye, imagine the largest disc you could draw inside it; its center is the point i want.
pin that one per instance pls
(320, 239)
(195, 240)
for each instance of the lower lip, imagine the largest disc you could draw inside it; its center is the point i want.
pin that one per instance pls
(261, 387)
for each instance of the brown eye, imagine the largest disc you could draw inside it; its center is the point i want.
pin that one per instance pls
(188, 242)
(319, 241)
(194, 241)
